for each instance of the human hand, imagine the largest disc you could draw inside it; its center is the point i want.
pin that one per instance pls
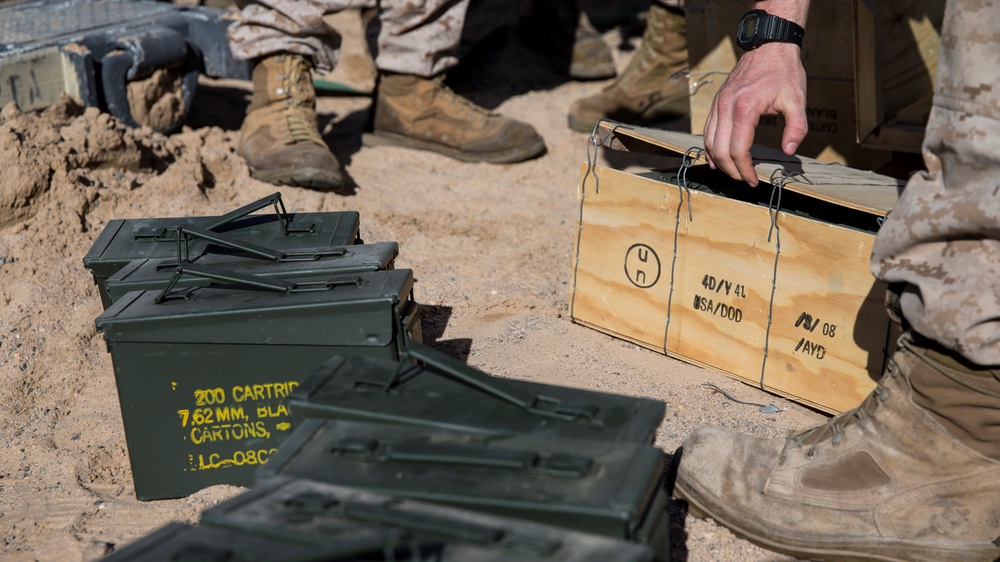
(766, 81)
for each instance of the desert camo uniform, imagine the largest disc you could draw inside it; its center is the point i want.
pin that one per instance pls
(415, 37)
(942, 239)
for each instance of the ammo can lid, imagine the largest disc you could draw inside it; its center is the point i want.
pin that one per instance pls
(359, 309)
(569, 478)
(430, 388)
(309, 510)
(177, 542)
(149, 274)
(123, 240)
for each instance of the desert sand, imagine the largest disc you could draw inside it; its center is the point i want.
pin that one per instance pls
(490, 246)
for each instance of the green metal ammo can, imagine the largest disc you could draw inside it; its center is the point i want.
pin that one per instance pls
(429, 388)
(124, 240)
(154, 274)
(180, 542)
(602, 487)
(204, 373)
(312, 512)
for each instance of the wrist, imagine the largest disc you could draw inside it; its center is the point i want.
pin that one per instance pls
(795, 11)
(759, 27)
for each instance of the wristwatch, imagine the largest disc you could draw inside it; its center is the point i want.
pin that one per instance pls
(758, 27)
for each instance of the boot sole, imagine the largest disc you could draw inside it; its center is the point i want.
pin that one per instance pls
(517, 154)
(660, 111)
(592, 71)
(319, 179)
(886, 550)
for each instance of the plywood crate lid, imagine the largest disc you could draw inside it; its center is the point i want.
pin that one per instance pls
(842, 185)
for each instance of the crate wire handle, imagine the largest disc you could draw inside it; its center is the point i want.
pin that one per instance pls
(538, 404)
(277, 285)
(186, 233)
(596, 143)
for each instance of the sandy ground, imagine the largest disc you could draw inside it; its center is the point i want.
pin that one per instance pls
(490, 246)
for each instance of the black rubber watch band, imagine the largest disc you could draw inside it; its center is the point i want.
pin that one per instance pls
(758, 27)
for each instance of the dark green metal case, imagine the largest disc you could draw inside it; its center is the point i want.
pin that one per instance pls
(154, 274)
(180, 542)
(602, 487)
(124, 240)
(430, 388)
(312, 512)
(204, 373)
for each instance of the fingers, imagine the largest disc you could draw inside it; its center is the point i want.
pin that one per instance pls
(729, 134)
(744, 127)
(763, 82)
(796, 127)
(709, 136)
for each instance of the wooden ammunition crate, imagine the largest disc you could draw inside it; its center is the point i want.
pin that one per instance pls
(768, 285)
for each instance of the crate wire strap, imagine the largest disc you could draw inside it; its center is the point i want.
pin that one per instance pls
(595, 142)
(690, 157)
(778, 178)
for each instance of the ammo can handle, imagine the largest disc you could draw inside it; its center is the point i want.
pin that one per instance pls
(527, 460)
(382, 548)
(185, 233)
(279, 209)
(536, 404)
(277, 285)
(450, 527)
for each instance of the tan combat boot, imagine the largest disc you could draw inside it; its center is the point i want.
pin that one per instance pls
(647, 90)
(563, 34)
(279, 138)
(911, 474)
(425, 114)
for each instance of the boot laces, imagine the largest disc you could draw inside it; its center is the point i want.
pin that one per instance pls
(833, 430)
(300, 126)
(300, 121)
(442, 90)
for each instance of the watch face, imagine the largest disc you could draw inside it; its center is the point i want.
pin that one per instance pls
(749, 28)
(747, 35)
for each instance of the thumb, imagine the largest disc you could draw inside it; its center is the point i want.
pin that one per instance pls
(796, 128)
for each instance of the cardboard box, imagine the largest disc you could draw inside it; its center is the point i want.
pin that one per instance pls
(852, 50)
(896, 50)
(769, 286)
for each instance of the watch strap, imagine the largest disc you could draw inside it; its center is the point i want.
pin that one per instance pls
(780, 29)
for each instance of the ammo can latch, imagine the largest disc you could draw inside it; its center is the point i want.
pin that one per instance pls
(538, 404)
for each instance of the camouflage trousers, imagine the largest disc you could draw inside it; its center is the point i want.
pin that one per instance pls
(413, 37)
(942, 239)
